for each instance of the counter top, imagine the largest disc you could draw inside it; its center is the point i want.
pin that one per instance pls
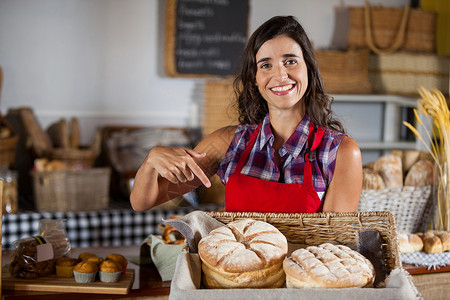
(147, 282)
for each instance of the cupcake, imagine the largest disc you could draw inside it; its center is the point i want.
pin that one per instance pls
(96, 260)
(85, 272)
(65, 266)
(85, 256)
(110, 271)
(120, 259)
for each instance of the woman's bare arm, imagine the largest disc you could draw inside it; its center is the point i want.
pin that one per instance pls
(344, 191)
(168, 172)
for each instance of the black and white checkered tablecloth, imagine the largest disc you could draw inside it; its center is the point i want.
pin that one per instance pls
(121, 227)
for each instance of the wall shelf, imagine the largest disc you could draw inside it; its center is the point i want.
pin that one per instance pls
(388, 116)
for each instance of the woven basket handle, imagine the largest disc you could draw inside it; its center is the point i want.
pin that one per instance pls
(398, 39)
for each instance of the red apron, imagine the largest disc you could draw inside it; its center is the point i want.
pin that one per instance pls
(249, 194)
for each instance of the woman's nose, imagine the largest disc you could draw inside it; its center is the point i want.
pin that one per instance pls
(281, 73)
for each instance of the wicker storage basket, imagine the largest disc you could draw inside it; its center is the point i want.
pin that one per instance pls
(344, 72)
(411, 206)
(72, 157)
(403, 73)
(71, 190)
(385, 25)
(317, 228)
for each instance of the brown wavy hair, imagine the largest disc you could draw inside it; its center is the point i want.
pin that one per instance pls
(251, 105)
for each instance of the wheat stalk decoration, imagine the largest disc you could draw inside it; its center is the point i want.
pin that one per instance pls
(435, 108)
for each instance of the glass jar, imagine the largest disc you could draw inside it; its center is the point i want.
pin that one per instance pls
(10, 198)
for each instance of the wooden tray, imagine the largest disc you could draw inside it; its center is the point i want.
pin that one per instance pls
(53, 283)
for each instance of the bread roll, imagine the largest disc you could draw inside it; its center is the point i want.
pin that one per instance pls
(409, 242)
(243, 254)
(420, 174)
(389, 166)
(444, 236)
(328, 266)
(432, 243)
(372, 180)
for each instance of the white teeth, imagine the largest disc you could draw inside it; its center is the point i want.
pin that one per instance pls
(282, 88)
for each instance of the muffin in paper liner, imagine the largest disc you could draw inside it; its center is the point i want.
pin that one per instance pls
(84, 277)
(109, 277)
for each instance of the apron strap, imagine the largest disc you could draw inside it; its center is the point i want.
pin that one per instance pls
(314, 138)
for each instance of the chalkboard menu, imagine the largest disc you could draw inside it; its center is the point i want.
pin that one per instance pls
(205, 37)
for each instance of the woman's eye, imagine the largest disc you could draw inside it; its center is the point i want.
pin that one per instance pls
(264, 66)
(290, 62)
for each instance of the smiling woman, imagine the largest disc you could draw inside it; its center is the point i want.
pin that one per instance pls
(288, 154)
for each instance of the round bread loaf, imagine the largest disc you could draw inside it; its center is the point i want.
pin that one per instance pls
(372, 180)
(328, 266)
(243, 254)
(420, 174)
(389, 166)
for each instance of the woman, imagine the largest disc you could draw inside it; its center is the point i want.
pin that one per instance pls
(287, 155)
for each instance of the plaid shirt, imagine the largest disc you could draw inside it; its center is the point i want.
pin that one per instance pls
(261, 161)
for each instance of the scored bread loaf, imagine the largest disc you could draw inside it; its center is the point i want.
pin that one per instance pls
(389, 166)
(327, 266)
(420, 174)
(372, 180)
(243, 254)
(409, 242)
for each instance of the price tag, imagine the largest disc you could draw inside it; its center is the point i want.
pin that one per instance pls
(44, 251)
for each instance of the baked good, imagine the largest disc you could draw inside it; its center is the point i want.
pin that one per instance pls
(389, 166)
(96, 260)
(118, 258)
(420, 174)
(372, 180)
(328, 266)
(85, 272)
(432, 243)
(24, 263)
(110, 271)
(409, 242)
(444, 236)
(244, 253)
(409, 158)
(65, 266)
(86, 255)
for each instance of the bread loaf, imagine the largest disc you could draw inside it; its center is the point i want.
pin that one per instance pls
(328, 266)
(409, 242)
(243, 254)
(409, 158)
(420, 174)
(372, 180)
(389, 166)
(432, 243)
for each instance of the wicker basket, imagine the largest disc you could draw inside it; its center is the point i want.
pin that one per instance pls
(317, 228)
(71, 190)
(385, 26)
(411, 206)
(344, 72)
(73, 157)
(403, 73)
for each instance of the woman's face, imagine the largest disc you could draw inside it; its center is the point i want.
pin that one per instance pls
(281, 73)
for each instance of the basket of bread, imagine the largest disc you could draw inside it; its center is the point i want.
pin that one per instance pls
(284, 256)
(400, 182)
